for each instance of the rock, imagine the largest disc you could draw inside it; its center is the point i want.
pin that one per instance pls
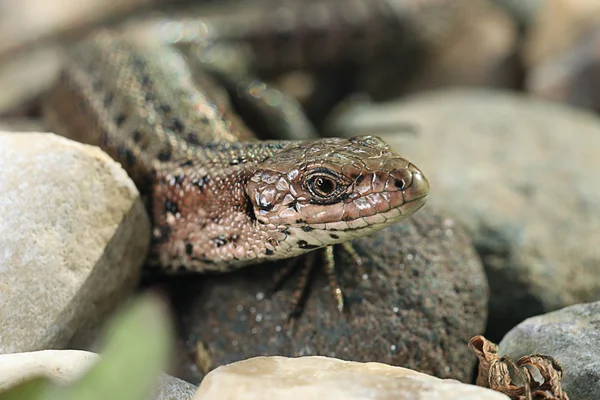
(315, 377)
(559, 24)
(446, 43)
(523, 12)
(422, 296)
(171, 388)
(24, 77)
(26, 22)
(67, 366)
(571, 77)
(571, 335)
(475, 45)
(560, 53)
(521, 174)
(61, 366)
(20, 125)
(74, 235)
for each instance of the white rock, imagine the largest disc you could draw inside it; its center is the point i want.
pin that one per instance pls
(73, 236)
(320, 378)
(67, 366)
(61, 366)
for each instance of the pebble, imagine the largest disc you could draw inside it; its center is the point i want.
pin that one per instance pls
(67, 366)
(73, 238)
(572, 336)
(314, 378)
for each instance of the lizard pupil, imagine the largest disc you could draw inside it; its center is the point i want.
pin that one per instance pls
(324, 186)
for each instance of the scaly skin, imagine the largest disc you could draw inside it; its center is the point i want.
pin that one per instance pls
(220, 198)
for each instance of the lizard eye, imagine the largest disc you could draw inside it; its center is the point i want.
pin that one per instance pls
(325, 186)
(322, 186)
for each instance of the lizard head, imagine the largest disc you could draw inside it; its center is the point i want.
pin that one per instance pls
(333, 190)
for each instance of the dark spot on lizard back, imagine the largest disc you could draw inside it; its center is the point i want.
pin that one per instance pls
(127, 155)
(192, 138)
(171, 207)
(237, 160)
(250, 209)
(165, 108)
(165, 154)
(307, 228)
(299, 221)
(176, 125)
(150, 97)
(179, 179)
(200, 182)
(137, 136)
(186, 163)
(334, 236)
(161, 234)
(145, 81)
(189, 248)
(269, 252)
(120, 119)
(303, 244)
(204, 119)
(220, 241)
(359, 179)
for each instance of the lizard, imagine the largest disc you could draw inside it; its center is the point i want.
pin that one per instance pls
(220, 199)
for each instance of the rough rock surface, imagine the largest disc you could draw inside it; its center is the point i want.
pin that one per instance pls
(422, 296)
(73, 237)
(313, 378)
(522, 174)
(572, 336)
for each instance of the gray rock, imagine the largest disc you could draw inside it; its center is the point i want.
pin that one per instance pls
(73, 237)
(314, 378)
(424, 295)
(523, 11)
(171, 388)
(572, 336)
(522, 174)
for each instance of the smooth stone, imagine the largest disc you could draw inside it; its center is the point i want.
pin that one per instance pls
(67, 366)
(74, 236)
(61, 366)
(520, 173)
(420, 296)
(572, 336)
(316, 378)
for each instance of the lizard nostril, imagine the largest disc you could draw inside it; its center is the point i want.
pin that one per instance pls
(400, 184)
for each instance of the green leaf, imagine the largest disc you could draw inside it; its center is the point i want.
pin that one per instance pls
(138, 344)
(33, 389)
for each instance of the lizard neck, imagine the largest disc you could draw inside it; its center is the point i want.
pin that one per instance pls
(203, 217)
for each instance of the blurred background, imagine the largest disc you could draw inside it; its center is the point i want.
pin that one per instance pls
(495, 100)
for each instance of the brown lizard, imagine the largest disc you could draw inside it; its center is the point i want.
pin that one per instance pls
(221, 199)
